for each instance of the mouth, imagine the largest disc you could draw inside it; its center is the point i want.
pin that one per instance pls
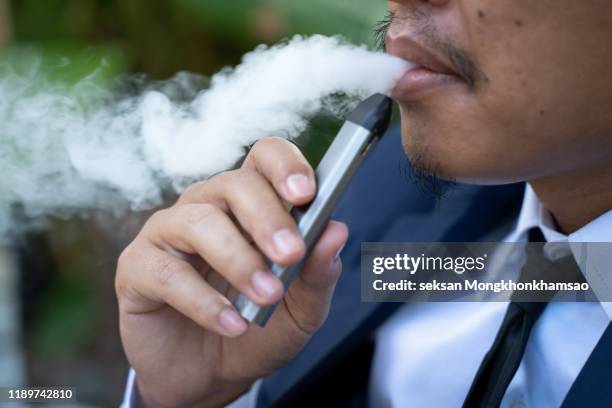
(430, 74)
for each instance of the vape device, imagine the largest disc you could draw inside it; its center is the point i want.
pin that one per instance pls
(363, 127)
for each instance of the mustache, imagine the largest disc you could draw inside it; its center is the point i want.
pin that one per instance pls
(462, 62)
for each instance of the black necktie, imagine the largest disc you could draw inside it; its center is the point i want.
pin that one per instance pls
(501, 362)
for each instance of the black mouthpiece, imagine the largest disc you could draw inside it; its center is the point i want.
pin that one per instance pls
(373, 114)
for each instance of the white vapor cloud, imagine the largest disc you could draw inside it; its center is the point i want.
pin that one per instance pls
(68, 150)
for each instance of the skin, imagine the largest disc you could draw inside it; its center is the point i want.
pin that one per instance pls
(539, 109)
(180, 332)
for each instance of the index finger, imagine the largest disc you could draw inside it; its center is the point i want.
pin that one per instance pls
(284, 165)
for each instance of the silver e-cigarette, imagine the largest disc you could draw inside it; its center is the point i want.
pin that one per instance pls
(363, 127)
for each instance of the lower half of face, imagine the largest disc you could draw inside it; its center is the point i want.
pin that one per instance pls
(515, 92)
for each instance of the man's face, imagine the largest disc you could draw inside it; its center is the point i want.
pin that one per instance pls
(529, 93)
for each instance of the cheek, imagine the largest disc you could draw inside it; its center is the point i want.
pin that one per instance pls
(460, 142)
(551, 101)
(548, 82)
(546, 85)
(513, 68)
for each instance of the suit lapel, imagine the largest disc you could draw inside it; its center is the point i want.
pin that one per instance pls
(592, 387)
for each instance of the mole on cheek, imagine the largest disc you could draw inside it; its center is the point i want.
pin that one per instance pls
(481, 13)
(518, 23)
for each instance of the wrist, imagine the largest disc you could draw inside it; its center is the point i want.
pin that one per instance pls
(223, 395)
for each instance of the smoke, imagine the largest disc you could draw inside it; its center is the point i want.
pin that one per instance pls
(65, 150)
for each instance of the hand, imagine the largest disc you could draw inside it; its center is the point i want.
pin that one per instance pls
(181, 334)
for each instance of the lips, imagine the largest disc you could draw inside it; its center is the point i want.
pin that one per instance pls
(431, 73)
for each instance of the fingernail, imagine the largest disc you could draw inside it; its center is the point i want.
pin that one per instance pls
(231, 322)
(266, 285)
(299, 185)
(286, 243)
(337, 256)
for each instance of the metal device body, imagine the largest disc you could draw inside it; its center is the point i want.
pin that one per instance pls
(341, 161)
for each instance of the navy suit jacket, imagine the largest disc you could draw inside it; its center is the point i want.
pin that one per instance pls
(382, 204)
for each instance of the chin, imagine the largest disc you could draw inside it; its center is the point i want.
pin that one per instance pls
(437, 157)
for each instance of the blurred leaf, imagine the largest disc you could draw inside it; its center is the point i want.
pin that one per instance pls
(222, 14)
(353, 19)
(63, 64)
(65, 320)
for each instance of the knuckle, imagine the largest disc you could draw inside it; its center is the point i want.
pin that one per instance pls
(228, 182)
(239, 270)
(193, 193)
(197, 216)
(168, 271)
(270, 213)
(245, 175)
(227, 177)
(240, 184)
(205, 309)
(158, 218)
(265, 144)
(119, 284)
(303, 319)
(128, 263)
(124, 259)
(220, 179)
(310, 324)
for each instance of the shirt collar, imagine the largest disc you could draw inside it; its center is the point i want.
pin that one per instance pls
(532, 215)
(594, 266)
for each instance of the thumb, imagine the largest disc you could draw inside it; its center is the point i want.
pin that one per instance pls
(309, 296)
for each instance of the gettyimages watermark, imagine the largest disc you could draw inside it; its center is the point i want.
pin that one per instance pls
(490, 271)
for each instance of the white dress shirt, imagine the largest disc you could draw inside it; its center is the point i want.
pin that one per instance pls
(427, 354)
